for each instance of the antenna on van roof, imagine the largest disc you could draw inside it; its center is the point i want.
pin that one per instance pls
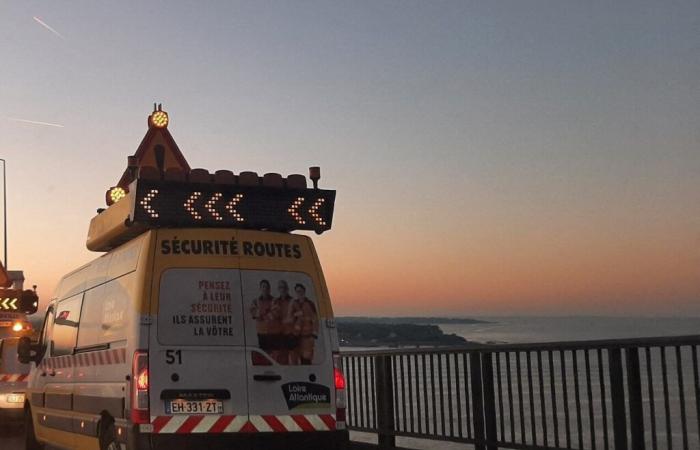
(315, 175)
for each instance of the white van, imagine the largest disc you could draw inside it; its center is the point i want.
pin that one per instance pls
(205, 323)
(13, 381)
(190, 338)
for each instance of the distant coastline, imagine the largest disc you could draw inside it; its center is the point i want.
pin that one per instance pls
(413, 320)
(399, 331)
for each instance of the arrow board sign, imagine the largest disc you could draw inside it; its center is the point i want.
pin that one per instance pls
(8, 304)
(183, 204)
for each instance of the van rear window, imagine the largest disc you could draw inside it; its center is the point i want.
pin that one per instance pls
(200, 307)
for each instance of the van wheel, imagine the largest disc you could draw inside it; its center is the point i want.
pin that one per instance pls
(107, 434)
(30, 442)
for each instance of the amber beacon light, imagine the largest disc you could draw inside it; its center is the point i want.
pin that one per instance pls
(159, 118)
(115, 194)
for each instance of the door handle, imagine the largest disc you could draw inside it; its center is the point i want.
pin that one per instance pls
(52, 373)
(267, 377)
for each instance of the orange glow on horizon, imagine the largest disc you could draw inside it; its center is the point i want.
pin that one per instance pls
(397, 273)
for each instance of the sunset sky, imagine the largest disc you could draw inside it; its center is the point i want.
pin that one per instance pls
(490, 157)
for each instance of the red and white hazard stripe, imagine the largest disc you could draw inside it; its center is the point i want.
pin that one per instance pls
(13, 377)
(101, 358)
(242, 424)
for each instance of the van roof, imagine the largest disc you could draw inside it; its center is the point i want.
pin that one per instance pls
(113, 264)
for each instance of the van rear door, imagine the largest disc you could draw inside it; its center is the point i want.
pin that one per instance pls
(291, 384)
(197, 356)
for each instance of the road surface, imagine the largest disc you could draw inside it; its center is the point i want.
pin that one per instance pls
(11, 438)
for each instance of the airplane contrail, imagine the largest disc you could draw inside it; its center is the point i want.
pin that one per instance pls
(48, 27)
(35, 122)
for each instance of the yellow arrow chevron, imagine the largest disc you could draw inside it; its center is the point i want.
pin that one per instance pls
(189, 205)
(294, 210)
(146, 203)
(209, 206)
(313, 211)
(231, 207)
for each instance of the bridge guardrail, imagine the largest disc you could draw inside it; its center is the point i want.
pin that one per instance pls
(611, 394)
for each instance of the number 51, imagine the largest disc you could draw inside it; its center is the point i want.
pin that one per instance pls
(173, 356)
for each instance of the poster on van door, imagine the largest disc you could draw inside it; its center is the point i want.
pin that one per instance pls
(200, 307)
(283, 309)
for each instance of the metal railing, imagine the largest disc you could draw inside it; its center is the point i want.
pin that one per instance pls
(615, 394)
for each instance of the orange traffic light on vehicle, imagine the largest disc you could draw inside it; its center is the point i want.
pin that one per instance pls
(17, 300)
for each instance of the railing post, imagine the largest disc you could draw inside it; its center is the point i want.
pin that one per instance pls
(477, 400)
(617, 393)
(634, 385)
(489, 400)
(384, 387)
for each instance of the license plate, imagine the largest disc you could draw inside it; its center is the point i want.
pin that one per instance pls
(180, 406)
(15, 398)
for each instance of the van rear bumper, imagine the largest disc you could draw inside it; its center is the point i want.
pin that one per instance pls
(321, 440)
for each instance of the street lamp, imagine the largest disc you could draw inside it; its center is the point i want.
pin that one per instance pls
(4, 207)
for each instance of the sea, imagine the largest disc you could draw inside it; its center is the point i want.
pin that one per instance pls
(571, 328)
(536, 329)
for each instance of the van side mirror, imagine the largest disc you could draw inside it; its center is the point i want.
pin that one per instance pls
(26, 351)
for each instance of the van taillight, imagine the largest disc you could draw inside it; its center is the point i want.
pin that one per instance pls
(142, 380)
(339, 391)
(339, 378)
(139, 388)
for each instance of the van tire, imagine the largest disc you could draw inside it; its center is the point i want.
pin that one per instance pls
(30, 442)
(106, 433)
